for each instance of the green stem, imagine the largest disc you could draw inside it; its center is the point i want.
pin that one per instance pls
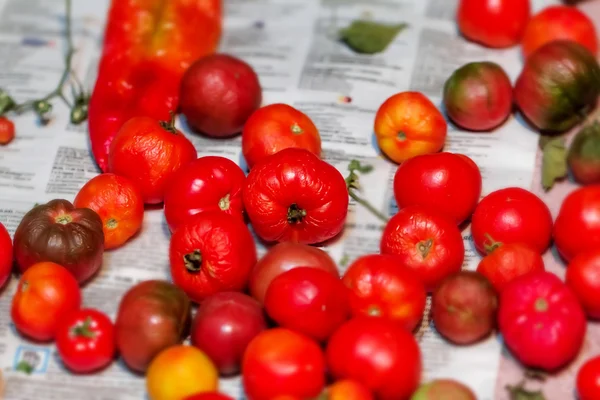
(368, 206)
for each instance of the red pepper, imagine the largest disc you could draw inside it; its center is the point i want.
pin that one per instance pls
(148, 45)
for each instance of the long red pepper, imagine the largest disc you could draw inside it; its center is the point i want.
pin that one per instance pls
(148, 45)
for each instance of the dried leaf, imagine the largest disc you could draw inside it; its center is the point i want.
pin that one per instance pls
(554, 162)
(520, 393)
(369, 37)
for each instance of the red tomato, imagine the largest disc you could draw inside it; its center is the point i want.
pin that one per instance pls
(309, 301)
(293, 195)
(509, 261)
(212, 252)
(6, 255)
(493, 23)
(46, 292)
(210, 183)
(583, 277)
(209, 396)
(348, 389)
(283, 362)
(446, 182)
(276, 127)
(541, 321)
(577, 226)
(425, 241)
(377, 353)
(511, 215)
(588, 380)
(283, 257)
(380, 286)
(7, 131)
(85, 341)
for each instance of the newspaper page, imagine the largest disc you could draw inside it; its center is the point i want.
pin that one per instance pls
(292, 45)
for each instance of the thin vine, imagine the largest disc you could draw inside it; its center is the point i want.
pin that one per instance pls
(353, 185)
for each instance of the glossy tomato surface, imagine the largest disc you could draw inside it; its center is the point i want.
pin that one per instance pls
(444, 182)
(380, 286)
(276, 127)
(211, 252)
(588, 380)
(425, 241)
(6, 255)
(583, 277)
(293, 195)
(210, 183)
(209, 396)
(348, 389)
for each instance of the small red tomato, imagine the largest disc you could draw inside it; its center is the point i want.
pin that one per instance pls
(309, 301)
(380, 286)
(293, 195)
(578, 222)
(541, 321)
(493, 23)
(280, 362)
(7, 131)
(209, 396)
(6, 255)
(276, 127)
(377, 353)
(212, 252)
(348, 389)
(45, 294)
(508, 261)
(583, 277)
(425, 241)
(588, 380)
(446, 182)
(210, 183)
(85, 341)
(148, 152)
(511, 215)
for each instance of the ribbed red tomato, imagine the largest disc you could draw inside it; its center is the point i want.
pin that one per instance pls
(293, 195)
(210, 183)
(211, 252)
(6, 255)
(583, 277)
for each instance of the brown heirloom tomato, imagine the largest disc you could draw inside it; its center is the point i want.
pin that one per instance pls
(60, 233)
(293, 195)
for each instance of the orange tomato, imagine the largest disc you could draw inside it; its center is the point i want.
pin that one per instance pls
(348, 389)
(119, 204)
(408, 124)
(180, 371)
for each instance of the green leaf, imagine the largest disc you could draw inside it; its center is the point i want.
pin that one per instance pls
(24, 366)
(554, 162)
(369, 37)
(520, 393)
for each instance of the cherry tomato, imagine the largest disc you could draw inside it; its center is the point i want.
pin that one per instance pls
(508, 261)
(408, 124)
(7, 131)
(118, 203)
(276, 127)
(212, 252)
(210, 183)
(45, 294)
(85, 340)
(309, 301)
(425, 241)
(348, 389)
(446, 182)
(511, 215)
(583, 277)
(280, 362)
(377, 353)
(380, 286)
(293, 195)
(6, 255)
(588, 380)
(209, 396)
(493, 23)
(578, 222)
(541, 321)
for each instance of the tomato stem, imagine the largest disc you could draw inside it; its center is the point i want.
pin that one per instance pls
(225, 202)
(295, 214)
(111, 223)
(491, 244)
(353, 185)
(296, 129)
(84, 329)
(63, 219)
(169, 126)
(193, 261)
(424, 247)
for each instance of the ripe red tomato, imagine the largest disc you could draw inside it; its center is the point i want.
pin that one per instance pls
(309, 301)
(446, 182)
(348, 389)
(7, 131)
(588, 380)
(380, 286)
(46, 292)
(541, 321)
(425, 241)
(293, 195)
(583, 277)
(118, 203)
(511, 215)
(148, 152)
(377, 353)
(276, 127)
(578, 222)
(408, 124)
(212, 252)
(280, 362)
(85, 340)
(493, 23)
(509, 261)
(210, 183)
(209, 396)
(6, 255)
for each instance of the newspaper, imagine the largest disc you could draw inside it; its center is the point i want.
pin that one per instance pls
(293, 47)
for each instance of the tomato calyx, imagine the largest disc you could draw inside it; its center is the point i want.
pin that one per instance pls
(424, 247)
(295, 214)
(84, 329)
(193, 261)
(63, 219)
(374, 311)
(169, 126)
(401, 136)
(491, 244)
(111, 223)
(296, 129)
(541, 305)
(225, 202)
